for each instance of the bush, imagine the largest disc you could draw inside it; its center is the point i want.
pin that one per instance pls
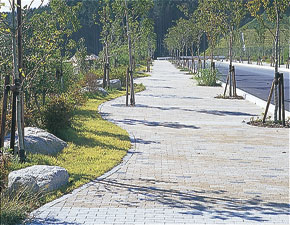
(207, 77)
(15, 208)
(5, 160)
(59, 111)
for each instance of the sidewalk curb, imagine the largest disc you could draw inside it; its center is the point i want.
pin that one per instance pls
(257, 101)
(256, 66)
(113, 170)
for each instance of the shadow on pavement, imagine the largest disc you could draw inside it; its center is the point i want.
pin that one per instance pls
(215, 203)
(173, 125)
(225, 113)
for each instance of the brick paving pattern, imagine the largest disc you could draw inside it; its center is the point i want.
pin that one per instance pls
(194, 160)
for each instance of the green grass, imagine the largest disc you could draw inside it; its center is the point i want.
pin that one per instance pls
(141, 72)
(207, 77)
(94, 147)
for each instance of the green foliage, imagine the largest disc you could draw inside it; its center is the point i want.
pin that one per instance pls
(207, 77)
(58, 113)
(15, 208)
(5, 160)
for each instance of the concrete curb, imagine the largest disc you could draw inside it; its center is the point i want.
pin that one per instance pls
(124, 161)
(256, 66)
(256, 100)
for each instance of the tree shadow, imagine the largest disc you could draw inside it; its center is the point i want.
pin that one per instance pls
(48, 220)
(215, 203)
(173, 125)
(145, 142)
(225, 113)
(171, 96)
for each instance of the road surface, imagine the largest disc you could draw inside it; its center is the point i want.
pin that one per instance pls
(255, 81)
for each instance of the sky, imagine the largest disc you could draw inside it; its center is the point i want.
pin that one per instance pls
(35, 4)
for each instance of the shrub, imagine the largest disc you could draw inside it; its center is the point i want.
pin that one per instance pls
(58, 112)
(5, 160)
(207, 77)
(15, 208)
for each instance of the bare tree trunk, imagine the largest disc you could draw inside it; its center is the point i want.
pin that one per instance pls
(231, 61)
(4, 111)
(20, 102)
(132, 95)
(107, 65)
(276, 63)
(204, 51)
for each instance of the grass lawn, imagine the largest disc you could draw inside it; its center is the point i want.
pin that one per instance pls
(94, 147)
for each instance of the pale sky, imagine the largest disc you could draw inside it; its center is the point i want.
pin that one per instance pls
(35, 4)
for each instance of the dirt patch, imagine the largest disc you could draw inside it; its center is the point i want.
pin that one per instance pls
(270, 124)
(230, 97)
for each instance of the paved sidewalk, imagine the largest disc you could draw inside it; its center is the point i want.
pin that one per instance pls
(194, 161)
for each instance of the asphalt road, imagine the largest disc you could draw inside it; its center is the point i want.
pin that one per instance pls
(255, 81)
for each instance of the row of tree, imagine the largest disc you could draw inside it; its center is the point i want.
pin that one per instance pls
(222, 18)
(36, 47)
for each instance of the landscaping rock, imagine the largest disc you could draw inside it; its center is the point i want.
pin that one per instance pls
(98, 83)
(38, 178)
(94, 90)
(40, 141)
(116, 83)
(101, 91)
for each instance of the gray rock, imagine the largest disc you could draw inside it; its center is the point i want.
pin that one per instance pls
(40, 141)
(38, 178)
(102, 91)
(94, 90)
(98, 83)
(116, 83)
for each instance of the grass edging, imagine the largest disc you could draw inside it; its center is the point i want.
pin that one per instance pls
(107, 139)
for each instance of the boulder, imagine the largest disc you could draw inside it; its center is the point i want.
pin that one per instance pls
(38, 178)
(101, 91)
(116, 83)
(94, 90)
(40, 141)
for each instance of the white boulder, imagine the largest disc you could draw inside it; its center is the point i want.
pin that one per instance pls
(40, 141)
(38, 178)
(116, 83)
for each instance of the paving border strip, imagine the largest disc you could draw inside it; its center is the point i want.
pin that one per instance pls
(124, 161)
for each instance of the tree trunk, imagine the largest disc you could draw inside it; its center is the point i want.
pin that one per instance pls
(20, 102)
(231, 61)
(132, 95)
(107, 65)
(4, 111)
(276, 62)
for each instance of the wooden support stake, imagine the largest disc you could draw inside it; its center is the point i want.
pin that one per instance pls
(279, 97)
(228, 77)
(269, 100)
(230, 81)
(105, 75)
(234, 81)
(282, 99)
(4, 111)
(13, 122)
(127, 87)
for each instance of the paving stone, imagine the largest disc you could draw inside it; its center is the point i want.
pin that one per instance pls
(194, 161)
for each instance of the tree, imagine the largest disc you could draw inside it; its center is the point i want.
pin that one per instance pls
(107, 32)
(36, 52)
(269, 12)
(231, 14)
(210, 17)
